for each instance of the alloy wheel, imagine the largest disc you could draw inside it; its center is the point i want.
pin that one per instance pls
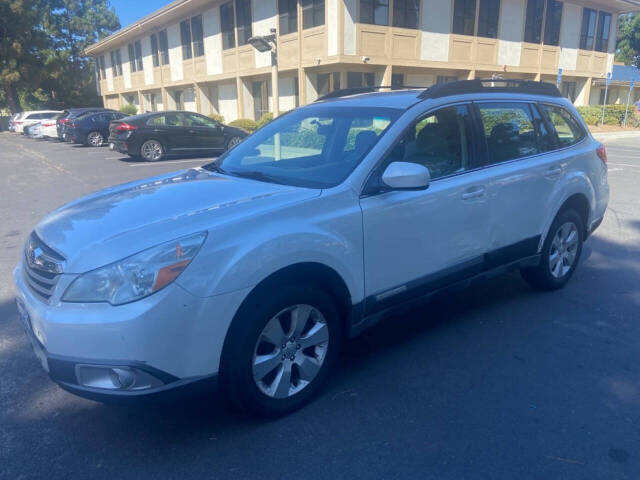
(564, 249)
(290, 351)
(233, 142)
(151, 150)
(95, 139)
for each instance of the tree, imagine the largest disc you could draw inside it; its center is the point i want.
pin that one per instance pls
(628, 45)
(42, 46)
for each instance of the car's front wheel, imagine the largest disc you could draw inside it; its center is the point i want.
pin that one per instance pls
(151, 150)
(560, 252)
(233, 142)
(280, 350)
(95, 139)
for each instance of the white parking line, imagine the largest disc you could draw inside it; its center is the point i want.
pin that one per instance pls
(199, 160)
(623, 164)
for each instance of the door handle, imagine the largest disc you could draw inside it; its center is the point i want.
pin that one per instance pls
(553, 172)
(473, 193)
(192, 131)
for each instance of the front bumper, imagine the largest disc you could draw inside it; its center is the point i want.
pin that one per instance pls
(171, 337)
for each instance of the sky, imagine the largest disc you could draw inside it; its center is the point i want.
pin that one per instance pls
(131, 10)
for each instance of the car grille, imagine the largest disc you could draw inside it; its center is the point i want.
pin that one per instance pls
(42, 267)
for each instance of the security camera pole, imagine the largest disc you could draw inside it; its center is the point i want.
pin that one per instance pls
(268, 43)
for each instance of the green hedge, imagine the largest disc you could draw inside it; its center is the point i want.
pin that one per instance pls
(245, 123)
(217, 117)
(614, 115)
(264, 119)
(129, 109)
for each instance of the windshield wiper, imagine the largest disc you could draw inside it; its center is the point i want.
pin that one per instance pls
(214, 167)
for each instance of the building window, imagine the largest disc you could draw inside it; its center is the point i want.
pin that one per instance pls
(553, 22)
(154, 50)
(359, 79)
(138, 46)
(588, 29)
(243, 12)
(602, 35)
(185, 36)
(569, 90)
(197, 36)
(488, 18)
(312, 13)
(446, 79)
(116, 63)
(464, 17)
(405, 13)
(288, 15)
(132, 59)
(164, 47)
(103, 69)
(533, 22)
(375, 12)
(227, 23)
(327, 83)
(397, 79)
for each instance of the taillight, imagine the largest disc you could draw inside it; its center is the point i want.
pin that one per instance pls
(64, 120)
(601, 151)
(48, 124)
(125, 127)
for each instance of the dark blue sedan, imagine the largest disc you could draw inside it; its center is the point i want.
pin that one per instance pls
(92, 129)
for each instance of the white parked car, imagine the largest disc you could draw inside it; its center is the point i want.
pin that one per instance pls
(29, 118)
(49, 126)
(250, 271)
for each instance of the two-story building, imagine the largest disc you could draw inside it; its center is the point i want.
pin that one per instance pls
(195, 54)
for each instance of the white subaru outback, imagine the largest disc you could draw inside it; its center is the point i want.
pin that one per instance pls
(249, 272)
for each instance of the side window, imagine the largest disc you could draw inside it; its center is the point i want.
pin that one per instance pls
(568, 131)
(198, 121)
(158, 121)
(441, 142)
(509, 130)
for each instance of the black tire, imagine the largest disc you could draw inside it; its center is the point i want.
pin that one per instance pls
(237, 380)
(541, 277)
(90, 139)
(152, 156)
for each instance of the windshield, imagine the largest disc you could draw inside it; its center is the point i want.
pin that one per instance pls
(312, 147)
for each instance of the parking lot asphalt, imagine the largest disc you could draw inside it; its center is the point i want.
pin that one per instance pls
(496, 381)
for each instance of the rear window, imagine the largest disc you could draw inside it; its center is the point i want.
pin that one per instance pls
(567, 129)
(509, 130)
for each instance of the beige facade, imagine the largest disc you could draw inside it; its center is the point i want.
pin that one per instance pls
(328, 44)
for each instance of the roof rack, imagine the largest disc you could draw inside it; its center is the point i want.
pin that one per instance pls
(345, 92)
(498, 85)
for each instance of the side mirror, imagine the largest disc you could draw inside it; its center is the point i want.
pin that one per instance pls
(406, 176)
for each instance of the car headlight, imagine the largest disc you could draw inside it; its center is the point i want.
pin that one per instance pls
(137, 276)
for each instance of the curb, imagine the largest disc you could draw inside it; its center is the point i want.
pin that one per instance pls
(615, 135)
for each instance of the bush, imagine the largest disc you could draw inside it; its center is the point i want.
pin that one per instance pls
(129, 109)
(614, 115)
(264, 119)
(217, 117)
(245, 124)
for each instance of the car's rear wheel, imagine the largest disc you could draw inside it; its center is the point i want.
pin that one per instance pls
(560, 254)
(233, 141)
(280, 349)
(151, 150)
(95, 139)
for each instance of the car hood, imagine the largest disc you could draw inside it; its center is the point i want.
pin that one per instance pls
(112, 224)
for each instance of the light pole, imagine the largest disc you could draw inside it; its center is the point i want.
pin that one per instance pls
(268, 43)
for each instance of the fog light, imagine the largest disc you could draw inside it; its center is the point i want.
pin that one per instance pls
(115, 378)
(122, 378)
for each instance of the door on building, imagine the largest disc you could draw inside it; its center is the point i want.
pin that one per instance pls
(178, 98)
(153, 100)
(260, 92)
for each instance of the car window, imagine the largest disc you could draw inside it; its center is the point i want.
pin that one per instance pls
(440, 141)
(200, 121)
(315, 147)
(567, 129)
(509, 130)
